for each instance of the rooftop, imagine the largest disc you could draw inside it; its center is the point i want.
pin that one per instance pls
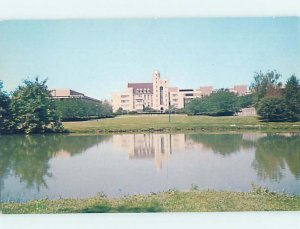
(142, 86)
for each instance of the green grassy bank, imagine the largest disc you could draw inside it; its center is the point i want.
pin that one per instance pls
(172, 201)
(147, 123)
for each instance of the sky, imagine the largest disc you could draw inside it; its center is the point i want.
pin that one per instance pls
(98, 57)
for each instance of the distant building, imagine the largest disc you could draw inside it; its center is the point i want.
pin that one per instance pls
(240, 90)
(156, 95)
(62, 94)
(159, 96)
(179, 98)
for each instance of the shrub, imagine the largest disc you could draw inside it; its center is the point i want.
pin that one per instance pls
(273, 109)
(220, 103)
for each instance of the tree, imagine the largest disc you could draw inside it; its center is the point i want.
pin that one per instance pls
(120, 111)
(273, 109)
(33, 109)
(292, 97)
(246, 100)
(76, 109)
(5, 113)
(219, 103)
(148, 109)
(265, 84)
(106, 109)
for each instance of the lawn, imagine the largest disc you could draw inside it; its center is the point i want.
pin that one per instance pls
(146, 123)
(172, 201)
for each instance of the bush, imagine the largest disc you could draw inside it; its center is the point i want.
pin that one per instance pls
(220, 103)
(273, 109)
(132, 112)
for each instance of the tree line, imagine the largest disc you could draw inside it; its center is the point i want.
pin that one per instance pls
(78, 109)
(30, 108)
(219, 103)
(273, 100)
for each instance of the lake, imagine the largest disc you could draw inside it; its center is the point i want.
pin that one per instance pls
(81, 166)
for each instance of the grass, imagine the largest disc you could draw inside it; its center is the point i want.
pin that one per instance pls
(171, 201)
(148, 123)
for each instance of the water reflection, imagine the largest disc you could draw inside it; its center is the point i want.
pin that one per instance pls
(273, 157)
(150, 146)
(224, 144)
(274, 153)
(27, 157)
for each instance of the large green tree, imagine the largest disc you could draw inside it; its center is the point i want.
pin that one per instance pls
(5, 114)
(273, 108)
(265, 84)
(272, 101)
(33, 109)
(292, 98)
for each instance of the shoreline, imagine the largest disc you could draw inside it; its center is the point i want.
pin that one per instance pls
(170, 201)
(179, 123)
(143, 124)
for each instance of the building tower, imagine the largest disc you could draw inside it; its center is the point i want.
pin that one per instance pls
(160, 92)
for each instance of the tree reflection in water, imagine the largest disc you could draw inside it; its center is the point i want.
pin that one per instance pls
(274, 153)
(27, 157)
(224, 144)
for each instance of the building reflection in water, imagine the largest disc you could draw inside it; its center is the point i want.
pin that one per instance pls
(152, 146)
(160, 146)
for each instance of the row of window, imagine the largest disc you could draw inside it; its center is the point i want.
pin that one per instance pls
(141, 90)
(145, 96)
(124, 101)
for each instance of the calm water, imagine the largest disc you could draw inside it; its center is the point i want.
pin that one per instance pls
(54, 166)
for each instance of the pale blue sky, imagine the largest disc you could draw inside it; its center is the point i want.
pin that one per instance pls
(98, 57)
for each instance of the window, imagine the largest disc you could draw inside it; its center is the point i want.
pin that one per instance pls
(189, 94)
(161, 94)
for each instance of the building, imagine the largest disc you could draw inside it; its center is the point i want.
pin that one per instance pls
(240, 90)
(138, 96)
(180, 97)
(160, 97)
(62, 94)
(156, 95)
